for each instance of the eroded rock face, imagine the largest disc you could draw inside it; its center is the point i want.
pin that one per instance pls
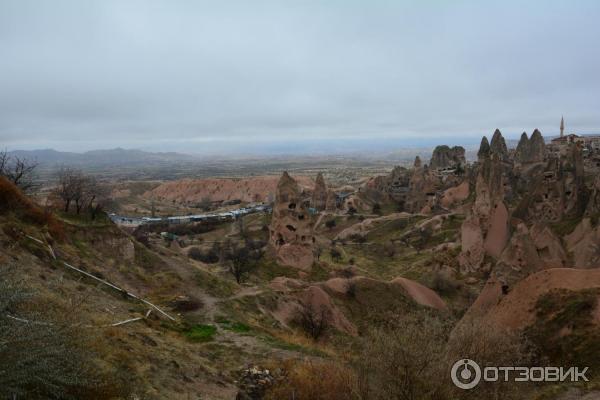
(516, 309)
(584, 244)
(520, 258)
(485, 230)
(455, 195)
(593, 206)
(531, 150)
(422, 189)
(394, 186)
(497, 233)
(559, 191)
(498, 145)
(320, 194)
(531, 249)
(472, 248)
(548, 246)
(484, 149)
(445, 157)
(291, 229)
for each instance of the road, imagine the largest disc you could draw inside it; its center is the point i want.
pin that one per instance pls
(182, 219)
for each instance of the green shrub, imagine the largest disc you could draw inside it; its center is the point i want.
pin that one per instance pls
(201, 333)
(237, 327)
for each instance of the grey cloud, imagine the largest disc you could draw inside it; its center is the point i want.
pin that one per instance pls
(144, 73)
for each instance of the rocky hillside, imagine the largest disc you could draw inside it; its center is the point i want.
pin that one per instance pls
(256, 189)
(495, 261)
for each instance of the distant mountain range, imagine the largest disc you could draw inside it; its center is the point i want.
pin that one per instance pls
(112, 157)
(119, 157)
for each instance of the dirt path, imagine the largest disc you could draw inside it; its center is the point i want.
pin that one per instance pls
(252, 346)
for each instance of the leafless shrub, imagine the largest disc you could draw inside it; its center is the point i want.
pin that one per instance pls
(444, 284)
(17, 170)
(405, 361)
(310, 380)
(45, 357)
(313, 320)
(490, 344)
(211, 256)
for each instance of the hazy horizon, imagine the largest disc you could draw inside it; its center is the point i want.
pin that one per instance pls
(295, 77)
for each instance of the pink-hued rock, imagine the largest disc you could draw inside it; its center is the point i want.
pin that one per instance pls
(516, 310)
(454, 195)
(584, 244)
(284, 284)
(488, 218)
(296, 255)
(291, 232)
(320, 193)
(253, 189)
(472, 250)
(421, 294)
(319, 299)
(445, 156)
(363, 227)
(497, 235)
(548, 246)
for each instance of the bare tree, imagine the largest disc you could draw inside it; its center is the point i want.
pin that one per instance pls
(84, 192)
(242, 259)
(69, 186)
(79, 192)
(19, 171)
(336, 255)
(96, 195)
(313, 320)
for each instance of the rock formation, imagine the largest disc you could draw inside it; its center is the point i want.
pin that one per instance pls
(422, 189)
(484, 149)
(531, 150)
(455, 195)
(498, 145)
(593, 205)
(558, 191)
(291, 230)
(584, 244)
(485, 230)
(445, 157)
(320, 194)
(391, 187)
(193, 191)
(519, 259)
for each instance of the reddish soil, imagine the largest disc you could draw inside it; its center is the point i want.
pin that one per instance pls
(255, 189)
(516, 310)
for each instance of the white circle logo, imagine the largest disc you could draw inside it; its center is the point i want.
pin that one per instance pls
(466, 374)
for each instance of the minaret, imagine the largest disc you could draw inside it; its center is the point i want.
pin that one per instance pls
(562, 126)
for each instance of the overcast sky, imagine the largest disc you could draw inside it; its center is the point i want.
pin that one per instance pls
(197, 75)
